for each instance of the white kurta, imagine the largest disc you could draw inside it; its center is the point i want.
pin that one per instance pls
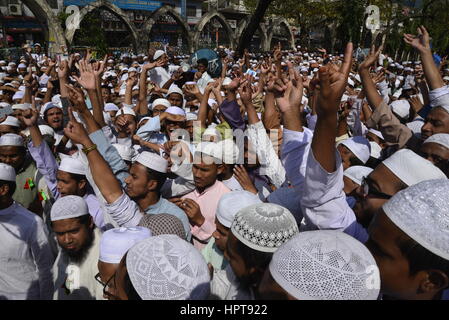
(79, 279)
(25, 256)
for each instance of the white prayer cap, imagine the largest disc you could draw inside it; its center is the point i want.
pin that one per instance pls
(21, 106)
(122, 92)
(264, 227)
(22, 66)
(401, 108)
(10, 121)
(212, 149)
(359, 146)
(376, 150)
(114, 243)
(326, 265)
(158, 54)
(110, 61)
(126, 110)
(288, 197)
(230, 151)
(176, 111)
(357, 173)
(165, 267)
(357, 77)
(7, 173)
(231, 203)
(46, 130)
(48, 106)
(18, 95)
(110, 107)
(175, 89)
(72, 165)
(415, 126)
(304, 69)
(4, 105)
(439, 138)
(411, 168)
(11, 140)
(227, 81)
(132, 69)
(376, 133)
(68, 207)
(211, 131)
(422, 212)
(125, 152)
(161, 102)
(351, 82)
(153, 161)
(191, 116)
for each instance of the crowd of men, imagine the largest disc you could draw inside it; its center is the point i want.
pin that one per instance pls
(295, 174)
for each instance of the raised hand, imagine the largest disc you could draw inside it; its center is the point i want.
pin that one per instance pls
(29, 117)
(332, 85)
(75, 131)
(99, 67)
(76, 96)
(193, 211)
(63, 69)
(87, 76)
(416, 103)
(192, 89)
(420, 42)
(243, 179)
(245, 92)
(277, 54)
(371, 59)
(234, 84)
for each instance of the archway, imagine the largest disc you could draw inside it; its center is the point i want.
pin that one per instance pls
(208, 31)
(177, 29)
(44, 14)
(259, 41)
(280, 31)
(120, 16)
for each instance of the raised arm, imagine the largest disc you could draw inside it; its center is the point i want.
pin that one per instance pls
(421, 43)
(373, 97)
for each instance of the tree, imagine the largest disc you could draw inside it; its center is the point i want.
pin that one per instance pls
(253, 25)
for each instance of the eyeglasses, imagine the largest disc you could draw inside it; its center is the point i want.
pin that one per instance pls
(368, 190)
(109, 284)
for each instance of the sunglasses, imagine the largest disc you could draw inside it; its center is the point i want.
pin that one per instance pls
(369, 190)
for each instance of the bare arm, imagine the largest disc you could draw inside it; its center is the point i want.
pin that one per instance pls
(369, 87)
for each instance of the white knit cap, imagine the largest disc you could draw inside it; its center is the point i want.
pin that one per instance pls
(48, 106)
(415, 126)
(110, 107)
(114, 243)
(126, 110)
(401, 108)
(10, 121)
(165, 267)
(125, 152)
(72, 165)
(161, 102)
(422, 212)
(153, 161)
(18, 95)
(11, 140)
(175, 89)
(21, 106)
(376, 150)
(7, 173)
(68, 207)
(231, 203)
(264, 227)
(158, 54)
(357, 173)
(376, 133)
(176, 111)
(326, 265)
(439, 138)
(359, 146)
(411, 168)
(288, 197)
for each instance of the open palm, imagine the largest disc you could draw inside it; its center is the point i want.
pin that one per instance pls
(420, 42)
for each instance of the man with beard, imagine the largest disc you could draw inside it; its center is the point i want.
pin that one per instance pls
(53, 116)
(76, 265)
(160, 75)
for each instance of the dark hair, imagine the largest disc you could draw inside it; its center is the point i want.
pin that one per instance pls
(419, 258)
(11, 185)
(77, 177)
(203, 62)
(354, 161)
(158, 176)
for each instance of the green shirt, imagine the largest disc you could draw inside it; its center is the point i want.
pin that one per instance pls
(26, 189)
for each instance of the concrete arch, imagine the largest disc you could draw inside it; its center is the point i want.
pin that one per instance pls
(112, 8)
(165, 9)
(277, 22)
(55, 34)
(205, 19)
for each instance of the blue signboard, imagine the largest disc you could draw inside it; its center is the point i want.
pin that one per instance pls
(122, 4)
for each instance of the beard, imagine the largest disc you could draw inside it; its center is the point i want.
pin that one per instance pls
(79, 256)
